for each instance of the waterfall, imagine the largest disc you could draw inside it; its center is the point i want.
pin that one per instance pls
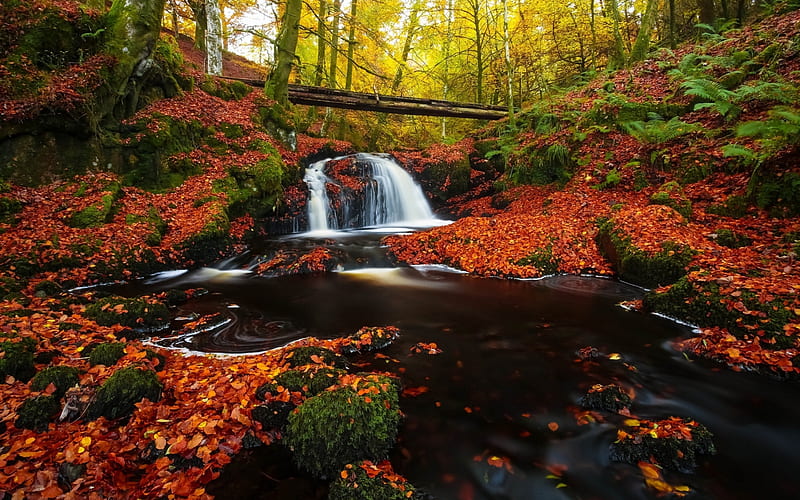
(390, 196)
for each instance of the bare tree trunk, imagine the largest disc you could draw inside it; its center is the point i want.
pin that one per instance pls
(447, 43)
(200, 23)
(642, 43)
(351, 45)
(617, 58)
(411, 31)
(319, 72)
(337, 13)
(509, 66)
(213, 38)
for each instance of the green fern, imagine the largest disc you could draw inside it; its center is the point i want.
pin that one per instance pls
(657, 131)
(712, 95)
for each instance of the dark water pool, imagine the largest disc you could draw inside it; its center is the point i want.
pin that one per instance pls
(507, 372)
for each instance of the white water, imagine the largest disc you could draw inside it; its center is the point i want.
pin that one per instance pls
(392, 197)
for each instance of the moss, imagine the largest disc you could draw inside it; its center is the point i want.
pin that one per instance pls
(9, 207)
(732, 239)
(445, 179)
(671, 195)
(139, 313)
(17, 359)
(345, 425)
(702, 304)
(669, 452)
(301, 356)
(612, 180)
(157, 360)
(107, 353)
(255, 189)
(734, 206)
(542, 165)
(610, 398)
(358, 485)
(62, 377)
(48, 288)
(369, 339)
(778, 193)
(119, 394)
(309, 382)
(229, 91)
(634, 265)
(37, 412)
(542, 259)
(97, 215)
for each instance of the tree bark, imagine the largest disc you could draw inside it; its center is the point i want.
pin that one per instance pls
(617, 58)
(642, 43)
(278, 83)
(200, 23)
(411, 31)
(133, 28)
(213, 38)
(351, 45)
(333, 66)
(509, 66)
(319, 71)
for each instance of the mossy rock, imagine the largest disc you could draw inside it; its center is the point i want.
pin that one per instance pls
(542, 259)
(229, 91)
(732, 239)
(97, 215)
(273, 415)
(733, 206)
(256, 189)
(119, 394)
(48, 288)
(344, 425)
(445, 179)
(37, 412)
(702, 304)
(309, 382)
(301, 356)
(9, 207)
(107, 353)
(17, 359)
(634, 265)
(141, 314)
(353, 483)
(669, 452)
(370, 339)
(610, 398)
(671, 195)
(62, 377)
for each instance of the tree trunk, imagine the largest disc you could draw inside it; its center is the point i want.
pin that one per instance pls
(351, 45)
(673, 36)
(134, 26)
(707, 12)
(213, 38)
(509, 66)
(411, 31)
(319, 71)
(200, 23)
(446, 77)
(337, 12)
(642, 43)
(617, 58)
(278, 83)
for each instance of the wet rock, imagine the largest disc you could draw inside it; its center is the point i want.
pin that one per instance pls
(369, 339)
(610, 398)
(673, 443)
(273, 415)
(68, 473)
(356, 483)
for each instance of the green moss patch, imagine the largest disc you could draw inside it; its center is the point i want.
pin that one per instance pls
(98, 214)
(37, 412)
(672, 443)
(636, 266)
(119, 394)
(62, 377)
(356, 483)
(610, 398)
(309, 382)
(107, 353)
(542, 259)
(345, 425)
(144, 314)
(308, 355)
(17, 359)
(671, 195)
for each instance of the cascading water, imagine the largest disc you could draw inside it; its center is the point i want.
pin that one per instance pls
(390, 196)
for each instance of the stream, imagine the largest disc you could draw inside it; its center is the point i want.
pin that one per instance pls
(507, 383)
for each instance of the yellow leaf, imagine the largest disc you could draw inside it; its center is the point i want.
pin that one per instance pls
(632, 422)
(614, 356)
(86, 441)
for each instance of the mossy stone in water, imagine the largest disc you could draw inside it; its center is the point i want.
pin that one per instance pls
(345, 425)
(273, 415)
(606, 397)
(62, 377)
(358, 485)
(303, 356)
(309, 382)
(674, 453)
(17, 359)
(107, 353)
(37, 412)
(119, 394)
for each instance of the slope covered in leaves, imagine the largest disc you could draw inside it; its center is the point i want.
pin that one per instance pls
(686, 161)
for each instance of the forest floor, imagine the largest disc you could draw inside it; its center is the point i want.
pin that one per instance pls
(737, 275)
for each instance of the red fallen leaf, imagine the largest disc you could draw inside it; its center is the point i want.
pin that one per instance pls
(415, 391)
(553, 426)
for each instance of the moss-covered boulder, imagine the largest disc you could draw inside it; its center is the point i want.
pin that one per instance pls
(99, 213)
(731, 239)
(62, 377)
(369, 482)
(142, 314)
(610, 398)
(639, 267)
(671, 194)
(107, 353)
(309, 382)
(17, 359)
(370, 338)
(355, 422)
(701, 303)
(673, 443)
(309, 355)
(119, 394)
(37, 412)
